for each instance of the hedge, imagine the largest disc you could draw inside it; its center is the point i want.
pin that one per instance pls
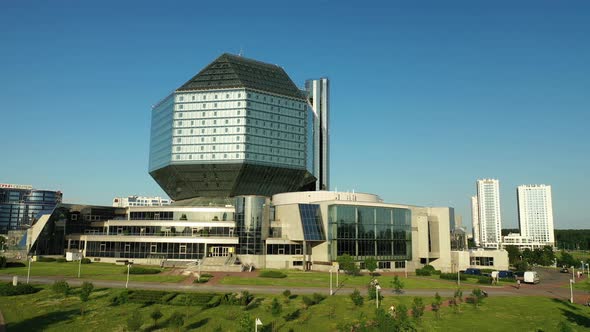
(142, 270)
(15, 264)
(45, 259)
(86, 261)
(2, 262)
(452, 276)
(7, 289)
(272, 274)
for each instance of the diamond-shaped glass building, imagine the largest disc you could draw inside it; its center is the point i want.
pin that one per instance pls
(238, 127)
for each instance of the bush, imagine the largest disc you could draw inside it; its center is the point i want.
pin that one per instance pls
(85, 291)
(452, 276)
(142, 270)
(357, 298)
(15, 264)
(418, 308)
(61, 287)
(7, 289)
(121, 298)
(272, 274)
(484, 280)
(134, 321)
(177, 320)
(2, 262)
(45, 259)
(427, 270)
(292, 316)
(86, 261)
(61, 260)
(315, 298)
(148, 297)
(192, 299)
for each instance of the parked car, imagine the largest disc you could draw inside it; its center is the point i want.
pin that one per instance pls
(473, 271)
(564, 270)
(505, 274)
(519, 275)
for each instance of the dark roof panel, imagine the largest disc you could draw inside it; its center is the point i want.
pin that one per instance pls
(231, 71)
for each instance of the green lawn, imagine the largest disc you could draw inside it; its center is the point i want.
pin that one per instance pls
(45, 311)
(321, 279)
(102, 271)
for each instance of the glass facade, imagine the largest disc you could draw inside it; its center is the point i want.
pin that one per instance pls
(311, 219)
(249, 218)
(362, 231)
(19, 207)
(153, 250)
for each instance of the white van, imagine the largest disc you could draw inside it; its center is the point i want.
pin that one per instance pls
(531, 277)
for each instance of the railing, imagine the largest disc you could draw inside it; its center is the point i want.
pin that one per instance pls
(163, 234)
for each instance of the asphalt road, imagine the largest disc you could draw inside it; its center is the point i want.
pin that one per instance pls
(552, 285)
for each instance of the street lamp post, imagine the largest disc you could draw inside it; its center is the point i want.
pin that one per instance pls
(258, 322)
(573, 275)
(458, 276)
(331, 292)
(406, 268)
(128, 269)
(29, 269)
(571, 291)
(377, 288)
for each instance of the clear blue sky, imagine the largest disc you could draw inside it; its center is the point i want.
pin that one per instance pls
(426, 96)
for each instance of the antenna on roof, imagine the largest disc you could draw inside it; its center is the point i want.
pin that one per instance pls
(241, 51)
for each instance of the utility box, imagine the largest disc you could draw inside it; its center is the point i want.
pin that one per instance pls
(73, 256)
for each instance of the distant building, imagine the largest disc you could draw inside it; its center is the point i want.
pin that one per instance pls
(20, 204)
(140, 201)
(521, 242)
(489, 217)
(475, 220)
(535, 213)
(318, 96)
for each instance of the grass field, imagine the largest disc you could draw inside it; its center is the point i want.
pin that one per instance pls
(102, 271)
(320, 279)
(45, 311)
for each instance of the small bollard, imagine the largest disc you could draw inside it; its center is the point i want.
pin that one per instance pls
(14, 280)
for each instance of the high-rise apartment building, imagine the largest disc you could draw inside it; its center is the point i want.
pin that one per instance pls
(475, 220)
(318, 96)
(535, 213)
(489, 217)
(239, 127)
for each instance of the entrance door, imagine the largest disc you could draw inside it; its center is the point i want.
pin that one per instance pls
(215, 251)
(225, 251)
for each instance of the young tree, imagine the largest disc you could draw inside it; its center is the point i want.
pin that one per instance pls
(371, 264)
(477, 296)
(436, 305)
(85, 291)
(61, 287)
(287, 295)
(513, 254)
(397, 284)
(418, 308)
(134, 321)
(275, 307)
(177, 320)
(457, 299)
(356, 298)
(346, 263)
(156, 314)
(246, 323)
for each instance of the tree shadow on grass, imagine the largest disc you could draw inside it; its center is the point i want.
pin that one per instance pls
(197, 324)
(574, 313)
(40, 323)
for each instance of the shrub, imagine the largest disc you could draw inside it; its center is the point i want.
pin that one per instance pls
(121, 298)
(45, 259)
(148, 297)
(142, 270)
(287, 294)
(452, 276)
(192, 299)
(15, 264)
(134, 321)
(427, 270)
(417, 308)
(86, 290)
(2, 262)
(357, 298)
(86, 261)
(347, 263)
(484, 280)
(275, 307)
(313, 300)
(7, 289)
(292, 316)
(272, 274)
(61, 287)
(155, 315)
(61, 260)
(177, 320)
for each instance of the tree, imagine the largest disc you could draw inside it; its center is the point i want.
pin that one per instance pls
(397, 284)
(356, 298)
(418, 308)
(85, 291)
(477, 297)
(436, 305)
(371, 264)
(177, 320)
(513, 254)
(372, 291)
(275, 307)
(346, 263)
(246, 323)
(61, 287)
(156, 314)
(134, 321)
(566, 259)
(457, 300)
